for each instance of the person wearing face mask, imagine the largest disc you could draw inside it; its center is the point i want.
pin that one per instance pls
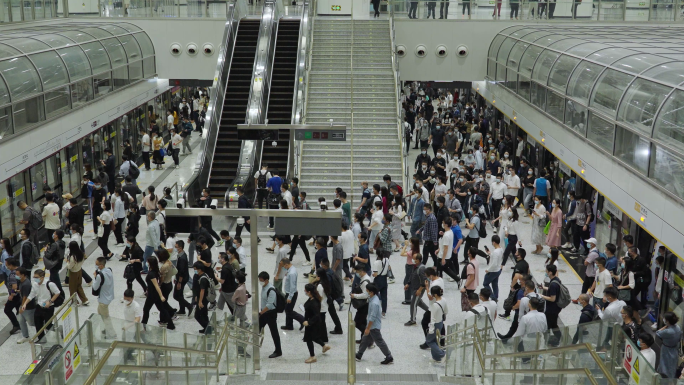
(182, 279)
(538, 224)
(451, 142)
(475, 137)
(493, 164)
(132, 313)
(105, 218)
(228, 284)
(430, 235)
(506, 161)
(417, 215)
(45, 293)
(553, 239)
(542, 188)
(439, 163)
(371, 331)
(528, 191)
(569, 217)
(98, 196)
(496, 196)
(436, 138)
(423, 128)
(104, 287)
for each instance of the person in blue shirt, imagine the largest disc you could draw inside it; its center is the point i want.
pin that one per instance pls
(273, 186)
(611, 259)
(268, 315)
(372, 331)
(417, 216)
(290, 290)
(542, 188)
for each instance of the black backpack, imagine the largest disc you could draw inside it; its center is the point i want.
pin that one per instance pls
(281, 301)
(464, 272)
(60, 300)
(133, 170)
(96, 293)
(261, 180)
(336, 288)
(482, 231)
(370, 202)
(36, 219)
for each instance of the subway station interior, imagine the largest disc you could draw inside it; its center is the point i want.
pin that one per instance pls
(258, 126)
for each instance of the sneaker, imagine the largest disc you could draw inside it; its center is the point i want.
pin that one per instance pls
(336, 332)
(89, 284)
(123, 259)
(450, 279)
(566, 245)
(505, 318)
(384, 315)
(14, 330)
(175, 317)
(406, 302)
(341, 306)
(574, 301)
(306, 263)
(189, 295)
(270, 228)
(358, 357)
(118, 244)
(424, 346)
(387, 361)
(326, 348)
(212, 306)
(275, 355)
(86, 303)
(439, 361)
(410, 323)
(573, 250)
(654, 327)
(390, 281)
(23, 340)
(143, 295)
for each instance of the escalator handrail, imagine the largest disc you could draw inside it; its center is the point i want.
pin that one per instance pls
(206, 156)
(300, 71)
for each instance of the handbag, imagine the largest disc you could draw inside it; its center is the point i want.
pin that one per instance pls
(625, 295)
(129, 272)
(162, 152)
(100, 231)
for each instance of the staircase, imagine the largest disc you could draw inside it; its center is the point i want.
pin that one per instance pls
(338, 61)
(225, 162)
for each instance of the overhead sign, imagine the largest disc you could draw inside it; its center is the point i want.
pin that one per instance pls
(328, 135)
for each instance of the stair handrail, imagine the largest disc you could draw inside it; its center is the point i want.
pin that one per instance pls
(400, 130)
(351, 105)
(300, 76)
(204, 160)
(309, 58)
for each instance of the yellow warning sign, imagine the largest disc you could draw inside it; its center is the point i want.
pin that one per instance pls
(636, 365)
(75, 350)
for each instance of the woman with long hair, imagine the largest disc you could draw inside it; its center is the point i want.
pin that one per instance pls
(166, 278)
(670, 335)
(381, 268)
(74, 262)
(396, 211)
(627, 284)
(149, 202)
(324, 291)
(105, 219)
(313, 331)
(538, 223)
(384, 193)
(553, 238)
(157, 145)
(511, 234)
(155, 296)
(411, 248)
(325, 286)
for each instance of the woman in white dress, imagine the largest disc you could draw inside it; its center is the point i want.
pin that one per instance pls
(538, 223)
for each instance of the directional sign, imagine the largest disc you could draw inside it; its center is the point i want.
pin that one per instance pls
(323, 135)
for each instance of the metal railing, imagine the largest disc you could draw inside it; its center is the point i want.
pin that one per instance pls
(351, 348)
(32, 10)
(53, 325)
(298, 99)
(557, 11)
(400, 125)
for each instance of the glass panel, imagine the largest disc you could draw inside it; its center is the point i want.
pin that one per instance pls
(135, 71)
(115, 51)
(28, 112)
(145, 44)
(6, 222)
(113, 29)
(57, 101)
(51, 68)
(671, 73)
(576, 117)
(505, 49)
(561, 71)
(131, 47)
(38, 182)
(538, 95)
(77, 36)
(494, 47)
(638, 63)
(563, 45)
(7, 51)
(17, 190)
(97, 33)
(82, 92)
(120, 77)
(102, 84)
(524, 87)
(583, 50)
(73, 170)
(149, 69)
(76, 62)
(610, 55)
(555, 105)
(548, 40)
(4, 93)
(669, 126)
(99, 60)
(601, 132)
(640, 104)
(5, 121)
(608, 91)
(491, 69)
(528, 60)
(543, 66)
(27, 45)
(500, 72)
(535, 36)
(129, 27)
(632, 149)
(22, 78)
(511, 80)
(516, 53)
(667, 169)
(582, 80)
(55, 41)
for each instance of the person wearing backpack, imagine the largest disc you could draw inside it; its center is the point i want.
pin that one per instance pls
(27, 252)
(54, 256)
(477, 228)
(588, 314)
(103, 287)
(186, 134)
(32, 220)
(47, 296)
(268, 315)
(262, 177)
(553, 307)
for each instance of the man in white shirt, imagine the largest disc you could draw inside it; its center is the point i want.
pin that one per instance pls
(478, 310)
(287, 195)
(176, 142)
(133, 313)
(610, 313)
(146, 143)
(528, 294)
(603, 280)
(496, 194)
(493, 270)
(433, 280)
(491, 305)
(242, 253)
(45, 293)
(645, 343)
(51, 216)
(347, 241)
(169, 120)
(530, 324)
(512, 183)
(170, 246)
(280, 272)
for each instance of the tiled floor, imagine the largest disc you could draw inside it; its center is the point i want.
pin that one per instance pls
(403, 341)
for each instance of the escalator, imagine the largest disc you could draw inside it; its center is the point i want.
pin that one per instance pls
(227, 153)
(282, 93)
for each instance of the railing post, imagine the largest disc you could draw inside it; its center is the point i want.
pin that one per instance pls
(91, 345)
(65, 8)
(351, 350)
(187, 358)
(624, 10)
(613, 350)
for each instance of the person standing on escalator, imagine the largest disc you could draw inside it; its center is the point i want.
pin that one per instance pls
(262, 176)
(274, 195)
